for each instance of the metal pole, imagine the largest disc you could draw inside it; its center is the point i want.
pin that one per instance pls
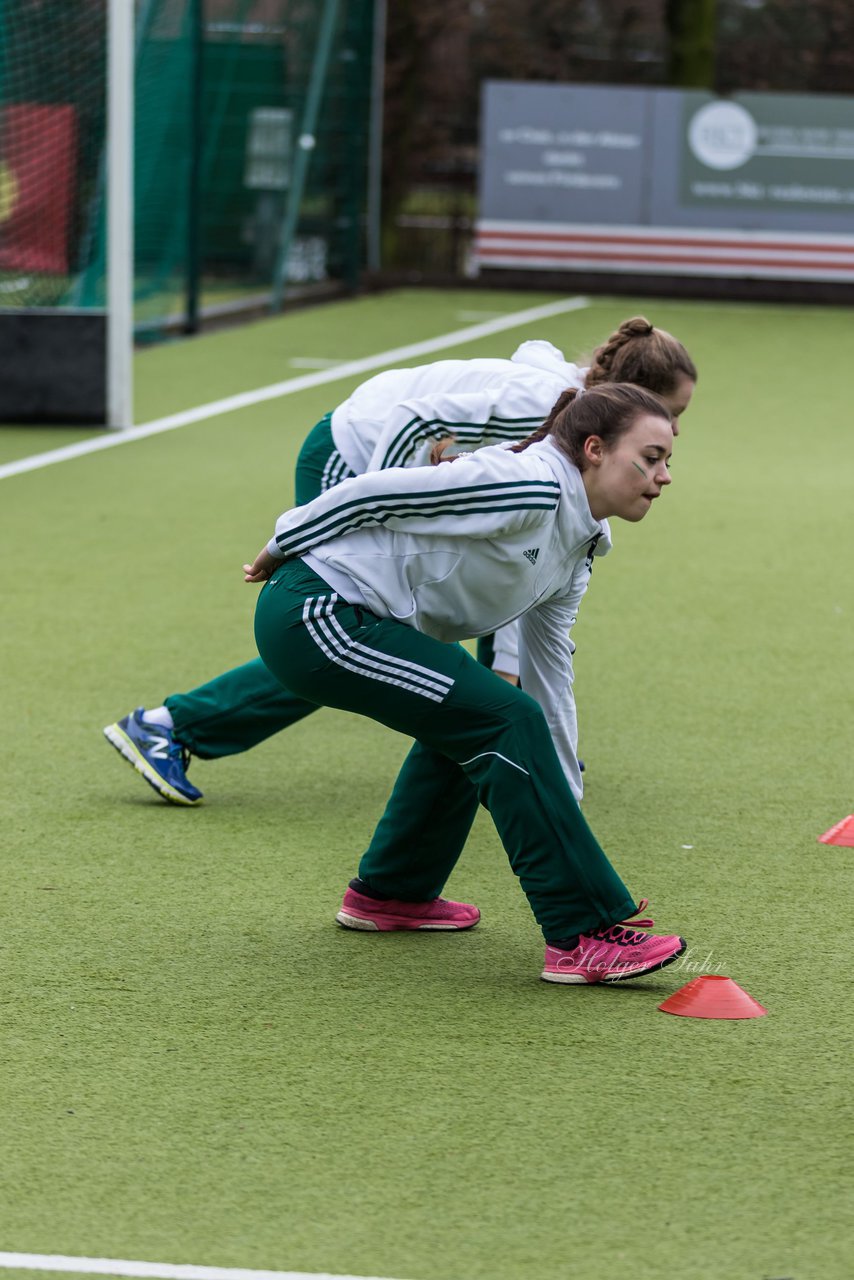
(375, 140)
(194, 201)
(305, 146)
(120, 78)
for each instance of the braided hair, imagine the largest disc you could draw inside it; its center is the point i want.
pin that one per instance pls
(638, 352)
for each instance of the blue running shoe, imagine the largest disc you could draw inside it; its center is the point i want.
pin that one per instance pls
(154, 752)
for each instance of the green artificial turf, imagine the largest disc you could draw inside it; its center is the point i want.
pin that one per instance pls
(200, 1067)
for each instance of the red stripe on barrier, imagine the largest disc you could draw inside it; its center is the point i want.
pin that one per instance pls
(568, 255)
(705, 242)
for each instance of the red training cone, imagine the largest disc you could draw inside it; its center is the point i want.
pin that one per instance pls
(842, 833)
(712, 996)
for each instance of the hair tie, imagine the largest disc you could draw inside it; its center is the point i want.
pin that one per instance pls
(579, 392)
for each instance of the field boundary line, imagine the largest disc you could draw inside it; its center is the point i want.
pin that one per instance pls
(244, 399)
(154, 1270)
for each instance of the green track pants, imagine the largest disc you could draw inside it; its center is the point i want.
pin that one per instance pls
(244, 706)
(240, 708)
(478, 740)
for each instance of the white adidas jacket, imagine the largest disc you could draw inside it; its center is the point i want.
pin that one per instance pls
(396, 417)
(459, 550)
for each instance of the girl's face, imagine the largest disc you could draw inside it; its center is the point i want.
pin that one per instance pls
(678, 399)
(625, 479)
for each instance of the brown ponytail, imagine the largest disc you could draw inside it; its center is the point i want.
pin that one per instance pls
(437, 453)
(564, 399)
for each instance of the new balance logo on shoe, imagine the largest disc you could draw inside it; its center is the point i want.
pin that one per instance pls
(156, 754)
(532, 554)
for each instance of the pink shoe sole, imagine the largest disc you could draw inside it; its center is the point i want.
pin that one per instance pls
(390, 923)
(385, 916)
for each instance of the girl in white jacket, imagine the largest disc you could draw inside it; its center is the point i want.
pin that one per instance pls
(367, 587)
(394, 419)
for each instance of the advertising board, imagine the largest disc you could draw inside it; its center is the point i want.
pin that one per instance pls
(601, 178)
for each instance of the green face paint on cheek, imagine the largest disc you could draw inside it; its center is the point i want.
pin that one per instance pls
(639, 467)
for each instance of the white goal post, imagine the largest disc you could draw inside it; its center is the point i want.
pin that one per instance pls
(120, 272)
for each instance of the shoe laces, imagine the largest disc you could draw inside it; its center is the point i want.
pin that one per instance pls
(179, 753)
(620, 934)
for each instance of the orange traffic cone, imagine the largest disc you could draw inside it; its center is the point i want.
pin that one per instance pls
(712, 996)
(842, 833)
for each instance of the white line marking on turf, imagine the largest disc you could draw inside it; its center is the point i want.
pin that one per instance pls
(246, 398)
(479, 315)
(313, 362)
(155, 1270)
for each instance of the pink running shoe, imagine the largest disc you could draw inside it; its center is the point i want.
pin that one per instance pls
(360, 912)
(613, 954)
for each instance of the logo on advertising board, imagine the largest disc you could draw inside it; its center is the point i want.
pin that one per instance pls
(722, 135)
(770, 152)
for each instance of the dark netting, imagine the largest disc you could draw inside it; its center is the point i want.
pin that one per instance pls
(52, 130)
(220, 102)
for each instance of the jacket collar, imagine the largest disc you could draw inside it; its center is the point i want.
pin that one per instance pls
(572, 487)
